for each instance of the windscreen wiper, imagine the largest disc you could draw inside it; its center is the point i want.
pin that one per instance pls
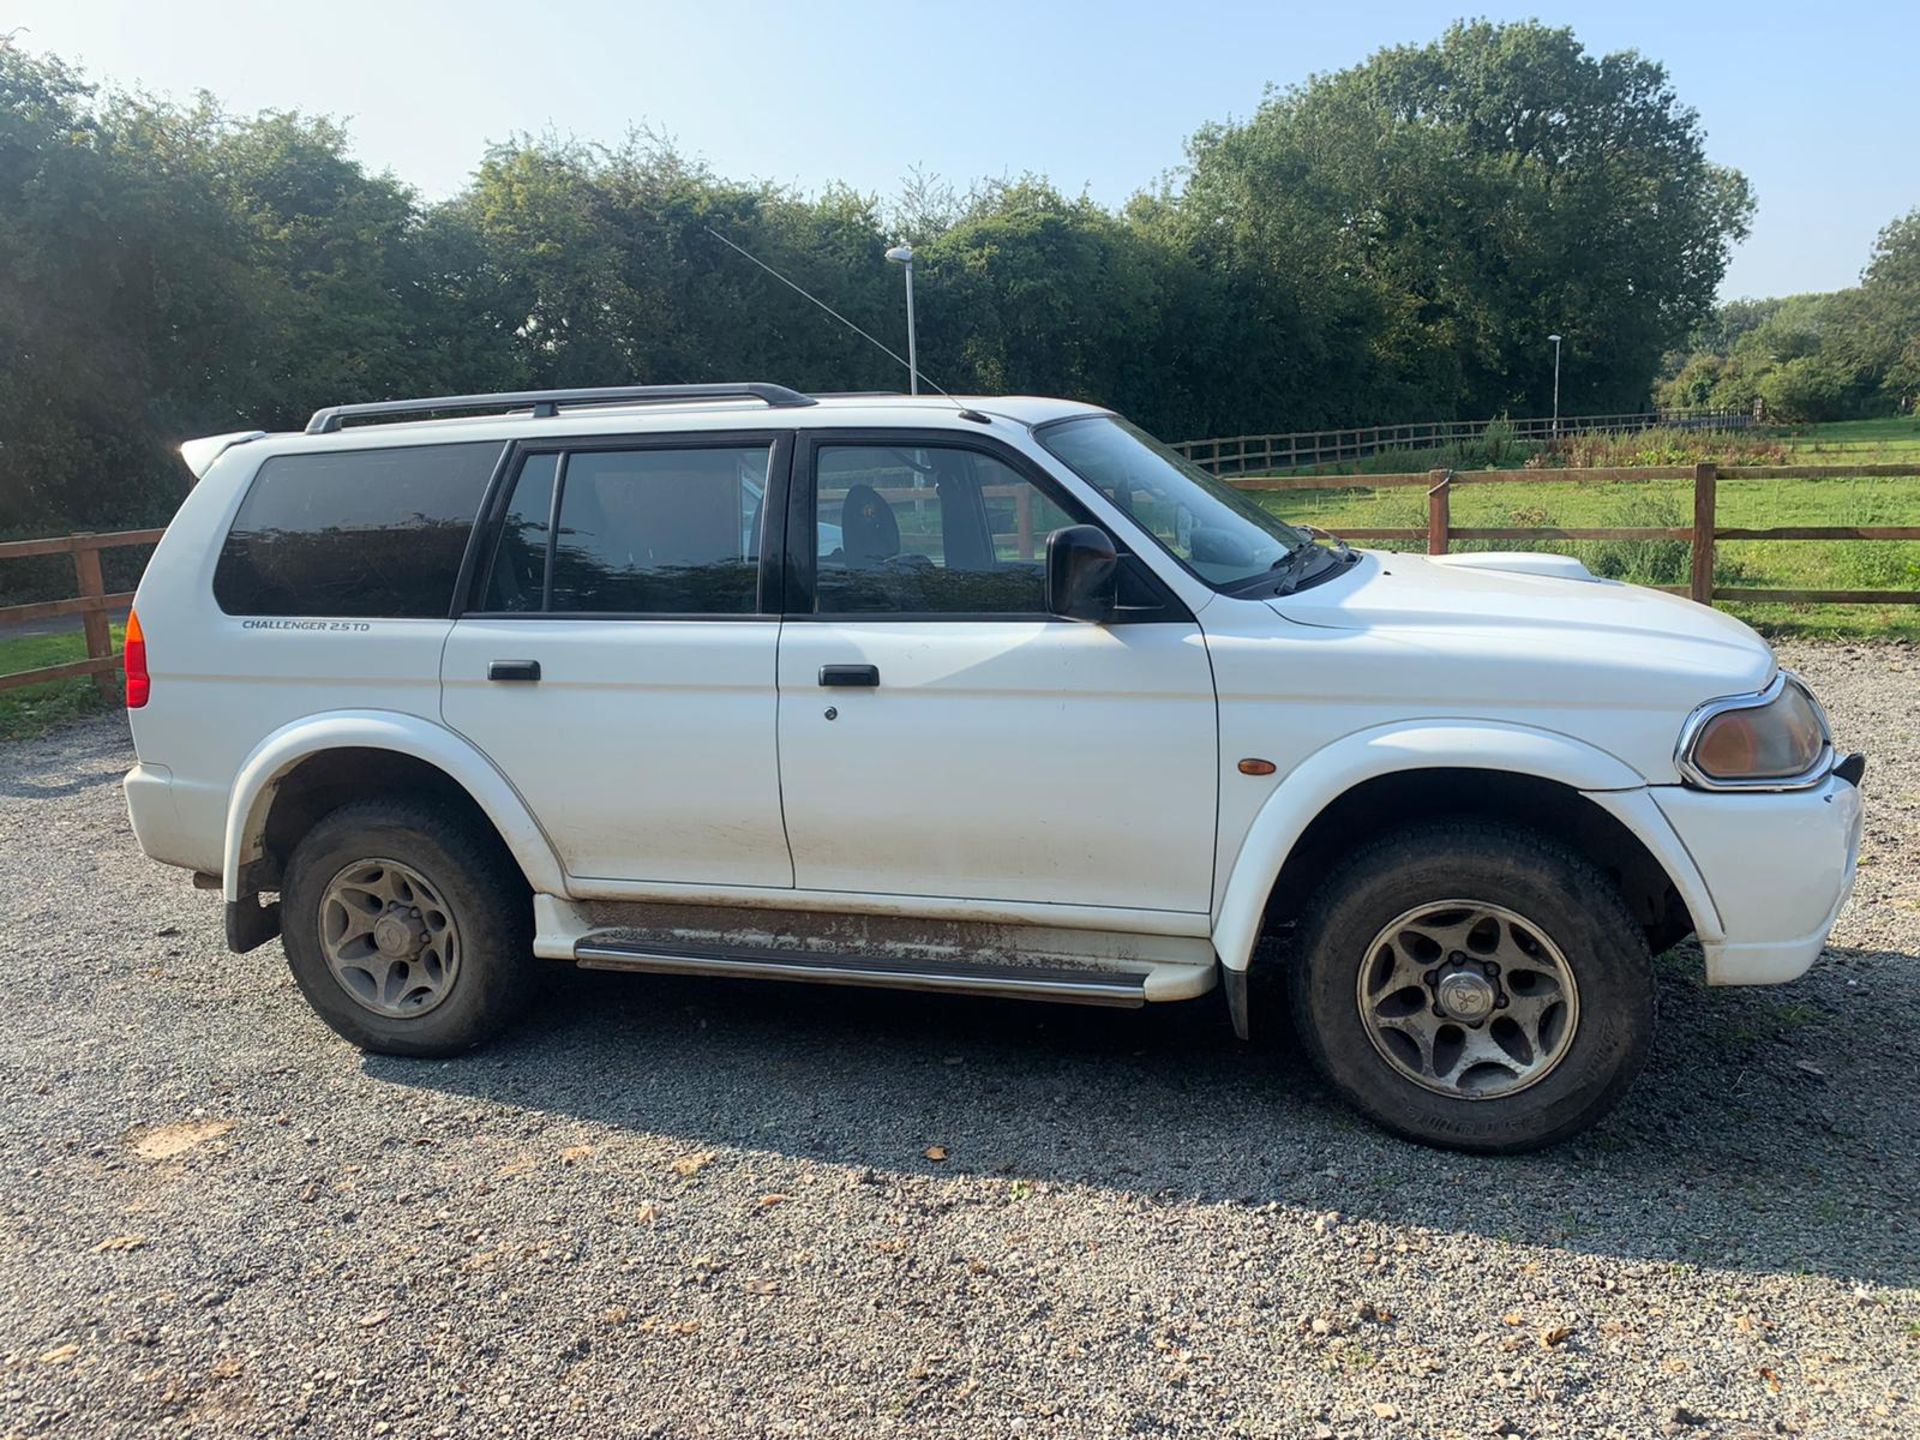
(1291, 566)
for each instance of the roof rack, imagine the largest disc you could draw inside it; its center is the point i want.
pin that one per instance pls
(547, 403)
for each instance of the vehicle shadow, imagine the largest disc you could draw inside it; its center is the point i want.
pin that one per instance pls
(1773, 1131)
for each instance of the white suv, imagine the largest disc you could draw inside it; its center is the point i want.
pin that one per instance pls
(992, 696)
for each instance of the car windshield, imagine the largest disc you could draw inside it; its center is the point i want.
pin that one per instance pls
(1213, 529)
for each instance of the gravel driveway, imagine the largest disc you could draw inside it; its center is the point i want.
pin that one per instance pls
(684, 1208)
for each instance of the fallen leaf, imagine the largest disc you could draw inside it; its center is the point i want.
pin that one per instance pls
(647, 1213)
(60, 1354)
(1807, 1067)
(1555, 1335)
(767, 1202)
(165, 1142)
(1514, 1318)
(120, 1242)
(616, 1315)
(1386, 1411)
(375, 1317)
(574, 1154)
(763, 1287)
(936, 1153)
(688, 1166)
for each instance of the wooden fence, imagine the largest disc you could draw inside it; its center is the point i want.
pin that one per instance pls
(1440, 532)
(93, 604)
(1241, 454)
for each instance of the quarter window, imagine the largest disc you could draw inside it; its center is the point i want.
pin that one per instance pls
(928, 529)
(354, 533)
(639, 532)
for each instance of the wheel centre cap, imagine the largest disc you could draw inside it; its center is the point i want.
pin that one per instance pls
(1465, 995)
(394, 936)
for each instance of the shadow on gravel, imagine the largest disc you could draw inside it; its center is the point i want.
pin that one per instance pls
(1775, 1130)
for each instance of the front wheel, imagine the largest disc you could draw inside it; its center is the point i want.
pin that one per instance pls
(1474, 986)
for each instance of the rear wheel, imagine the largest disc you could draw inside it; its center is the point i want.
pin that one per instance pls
(407, 930)
(1474, 986)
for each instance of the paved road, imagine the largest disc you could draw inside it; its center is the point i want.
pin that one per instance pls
(674, 1208)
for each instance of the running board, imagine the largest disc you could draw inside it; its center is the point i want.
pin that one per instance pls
(1020, 982)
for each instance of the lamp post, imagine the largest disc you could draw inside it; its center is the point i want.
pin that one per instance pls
(902, 255)
(1556, 385)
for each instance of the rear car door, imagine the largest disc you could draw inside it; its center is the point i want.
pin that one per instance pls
(617, 659)
(942, 735)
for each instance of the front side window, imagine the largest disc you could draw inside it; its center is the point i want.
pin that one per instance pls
(928, 529)
(354, 533)
(1213, 529)
(633, 532)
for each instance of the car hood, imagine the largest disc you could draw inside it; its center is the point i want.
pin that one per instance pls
(1467, 601)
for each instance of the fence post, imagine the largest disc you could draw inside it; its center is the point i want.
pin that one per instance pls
(1439, 520)
(86, 573)
(1705, 476)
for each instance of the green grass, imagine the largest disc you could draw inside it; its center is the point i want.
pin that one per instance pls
(39, 708)
(1896, 439)
(1753, 504)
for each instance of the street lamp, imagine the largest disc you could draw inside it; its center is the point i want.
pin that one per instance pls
(1556, 385)
(902, 255)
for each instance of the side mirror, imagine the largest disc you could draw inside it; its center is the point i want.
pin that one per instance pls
(1082, 574)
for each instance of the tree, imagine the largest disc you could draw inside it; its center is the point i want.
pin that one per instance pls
(1437, 211)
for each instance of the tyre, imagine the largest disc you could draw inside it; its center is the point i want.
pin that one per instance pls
(1473, 986)
(408, 930)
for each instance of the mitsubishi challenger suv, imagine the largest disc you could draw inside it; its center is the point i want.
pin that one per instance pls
(989, 696)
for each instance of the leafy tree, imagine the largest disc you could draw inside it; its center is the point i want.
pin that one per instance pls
(1393, 241)
(1437, 211)
(1816, 357)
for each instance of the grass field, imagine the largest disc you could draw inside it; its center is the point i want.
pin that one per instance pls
(38, 708)
(1896, 439)
(1753, 504)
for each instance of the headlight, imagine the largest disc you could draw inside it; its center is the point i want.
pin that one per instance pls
(1776, 740)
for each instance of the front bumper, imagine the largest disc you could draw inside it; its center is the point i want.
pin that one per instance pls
(1779, 868)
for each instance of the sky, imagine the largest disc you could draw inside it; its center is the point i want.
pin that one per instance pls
(1812, 102)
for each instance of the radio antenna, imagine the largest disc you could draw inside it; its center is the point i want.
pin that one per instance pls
(894, 354)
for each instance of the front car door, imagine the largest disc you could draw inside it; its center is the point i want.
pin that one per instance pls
(941, 735)
(617, 662)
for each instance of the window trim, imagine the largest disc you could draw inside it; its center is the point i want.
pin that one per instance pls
(767, 586)
(800, 597)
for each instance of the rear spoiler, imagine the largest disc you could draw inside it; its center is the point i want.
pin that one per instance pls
(200, 454)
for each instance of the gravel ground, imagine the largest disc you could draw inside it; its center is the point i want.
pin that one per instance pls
(698, 1208)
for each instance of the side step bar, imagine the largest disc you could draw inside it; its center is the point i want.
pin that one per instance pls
(1020, 982)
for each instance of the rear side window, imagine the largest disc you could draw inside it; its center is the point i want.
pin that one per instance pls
(655, 531)
(361, 533)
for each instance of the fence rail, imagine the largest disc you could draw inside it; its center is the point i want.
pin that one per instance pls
(92, 604)
(1440, 532)
(1244, 454)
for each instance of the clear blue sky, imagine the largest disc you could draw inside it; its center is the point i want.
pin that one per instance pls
(1814, 102)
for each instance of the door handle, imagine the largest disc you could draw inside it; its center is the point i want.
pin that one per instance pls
(864, 675)
(513, 670)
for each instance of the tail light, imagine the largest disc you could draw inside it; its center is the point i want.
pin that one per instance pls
(139, 686)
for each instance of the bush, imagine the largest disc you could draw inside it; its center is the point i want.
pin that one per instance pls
(1641, 562)
(1663, 446)
(1496, 448)
(1813, 388)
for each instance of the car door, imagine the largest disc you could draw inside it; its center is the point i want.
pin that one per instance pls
(941, 735)
(617, 663)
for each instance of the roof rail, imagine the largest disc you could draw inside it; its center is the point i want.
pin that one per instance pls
(547, 403)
